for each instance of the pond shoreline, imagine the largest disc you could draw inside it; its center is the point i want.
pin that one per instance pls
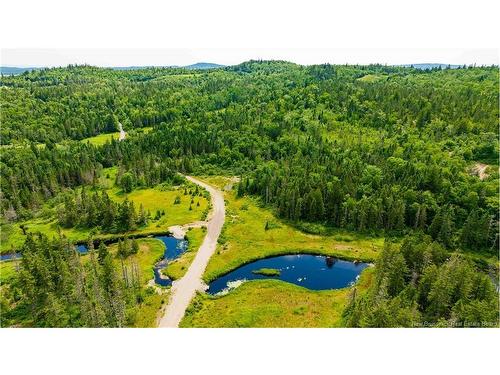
(312, 271)
(367, 260)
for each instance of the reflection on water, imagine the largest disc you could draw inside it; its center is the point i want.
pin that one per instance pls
(310, 271)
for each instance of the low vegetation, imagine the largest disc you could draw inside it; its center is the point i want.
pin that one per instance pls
(245, 239)
(267, 272)
(272, 303)
(101, 139)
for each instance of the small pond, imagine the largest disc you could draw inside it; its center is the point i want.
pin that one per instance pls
(10, 256)
(173, 249)
(310, 271)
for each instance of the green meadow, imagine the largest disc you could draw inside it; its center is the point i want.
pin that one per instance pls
(245, 238)
(160, 198)
(272, 304)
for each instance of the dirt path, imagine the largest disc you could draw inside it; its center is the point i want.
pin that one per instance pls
(184, 289)
(179, 231)
(122, 132)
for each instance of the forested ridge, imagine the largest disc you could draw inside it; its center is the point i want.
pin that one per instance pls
(372, 149)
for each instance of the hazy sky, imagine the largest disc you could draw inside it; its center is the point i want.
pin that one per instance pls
(165, 57)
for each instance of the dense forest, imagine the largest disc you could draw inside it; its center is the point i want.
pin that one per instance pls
(55, 288)
(420, 285)
(375, 149)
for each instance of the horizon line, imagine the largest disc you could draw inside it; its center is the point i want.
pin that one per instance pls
(228, 65)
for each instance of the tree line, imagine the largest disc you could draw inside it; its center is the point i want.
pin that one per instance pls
(90, 210)
(421, 285)
(56, 288)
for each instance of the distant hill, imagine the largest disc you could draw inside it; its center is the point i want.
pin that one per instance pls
(432, 66)
(11, 70)
(200, 65)
(203, 65)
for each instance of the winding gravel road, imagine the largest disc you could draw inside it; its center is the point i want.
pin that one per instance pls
(184, 289)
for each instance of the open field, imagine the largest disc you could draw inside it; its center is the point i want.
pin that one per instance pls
(146, 314)
(178, 267)
(245, 239)
(101, 139)
(7, 271)
(153, 199)
(13, 237)
(272, 303)
(369, 78)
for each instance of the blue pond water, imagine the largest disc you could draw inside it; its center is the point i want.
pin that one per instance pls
(82, 249)
(173, 249)
(10, 256)
(310, 271)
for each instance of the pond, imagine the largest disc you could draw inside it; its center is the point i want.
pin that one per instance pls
(309, 271)
(10, 256)
(173, 249)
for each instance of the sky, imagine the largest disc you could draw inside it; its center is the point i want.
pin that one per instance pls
(50, 57)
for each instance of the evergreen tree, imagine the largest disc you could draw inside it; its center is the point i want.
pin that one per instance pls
(102, 252)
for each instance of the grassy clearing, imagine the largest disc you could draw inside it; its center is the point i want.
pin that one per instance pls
(245, 239)
(13, 237)
(158, 198)
(101, 139)
(220, 182)
(370, 78)
(178, 268)
(7, 270)
(146, 314)
(272, 303)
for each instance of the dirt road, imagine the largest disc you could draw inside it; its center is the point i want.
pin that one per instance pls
(184, 289)
(122, 132)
